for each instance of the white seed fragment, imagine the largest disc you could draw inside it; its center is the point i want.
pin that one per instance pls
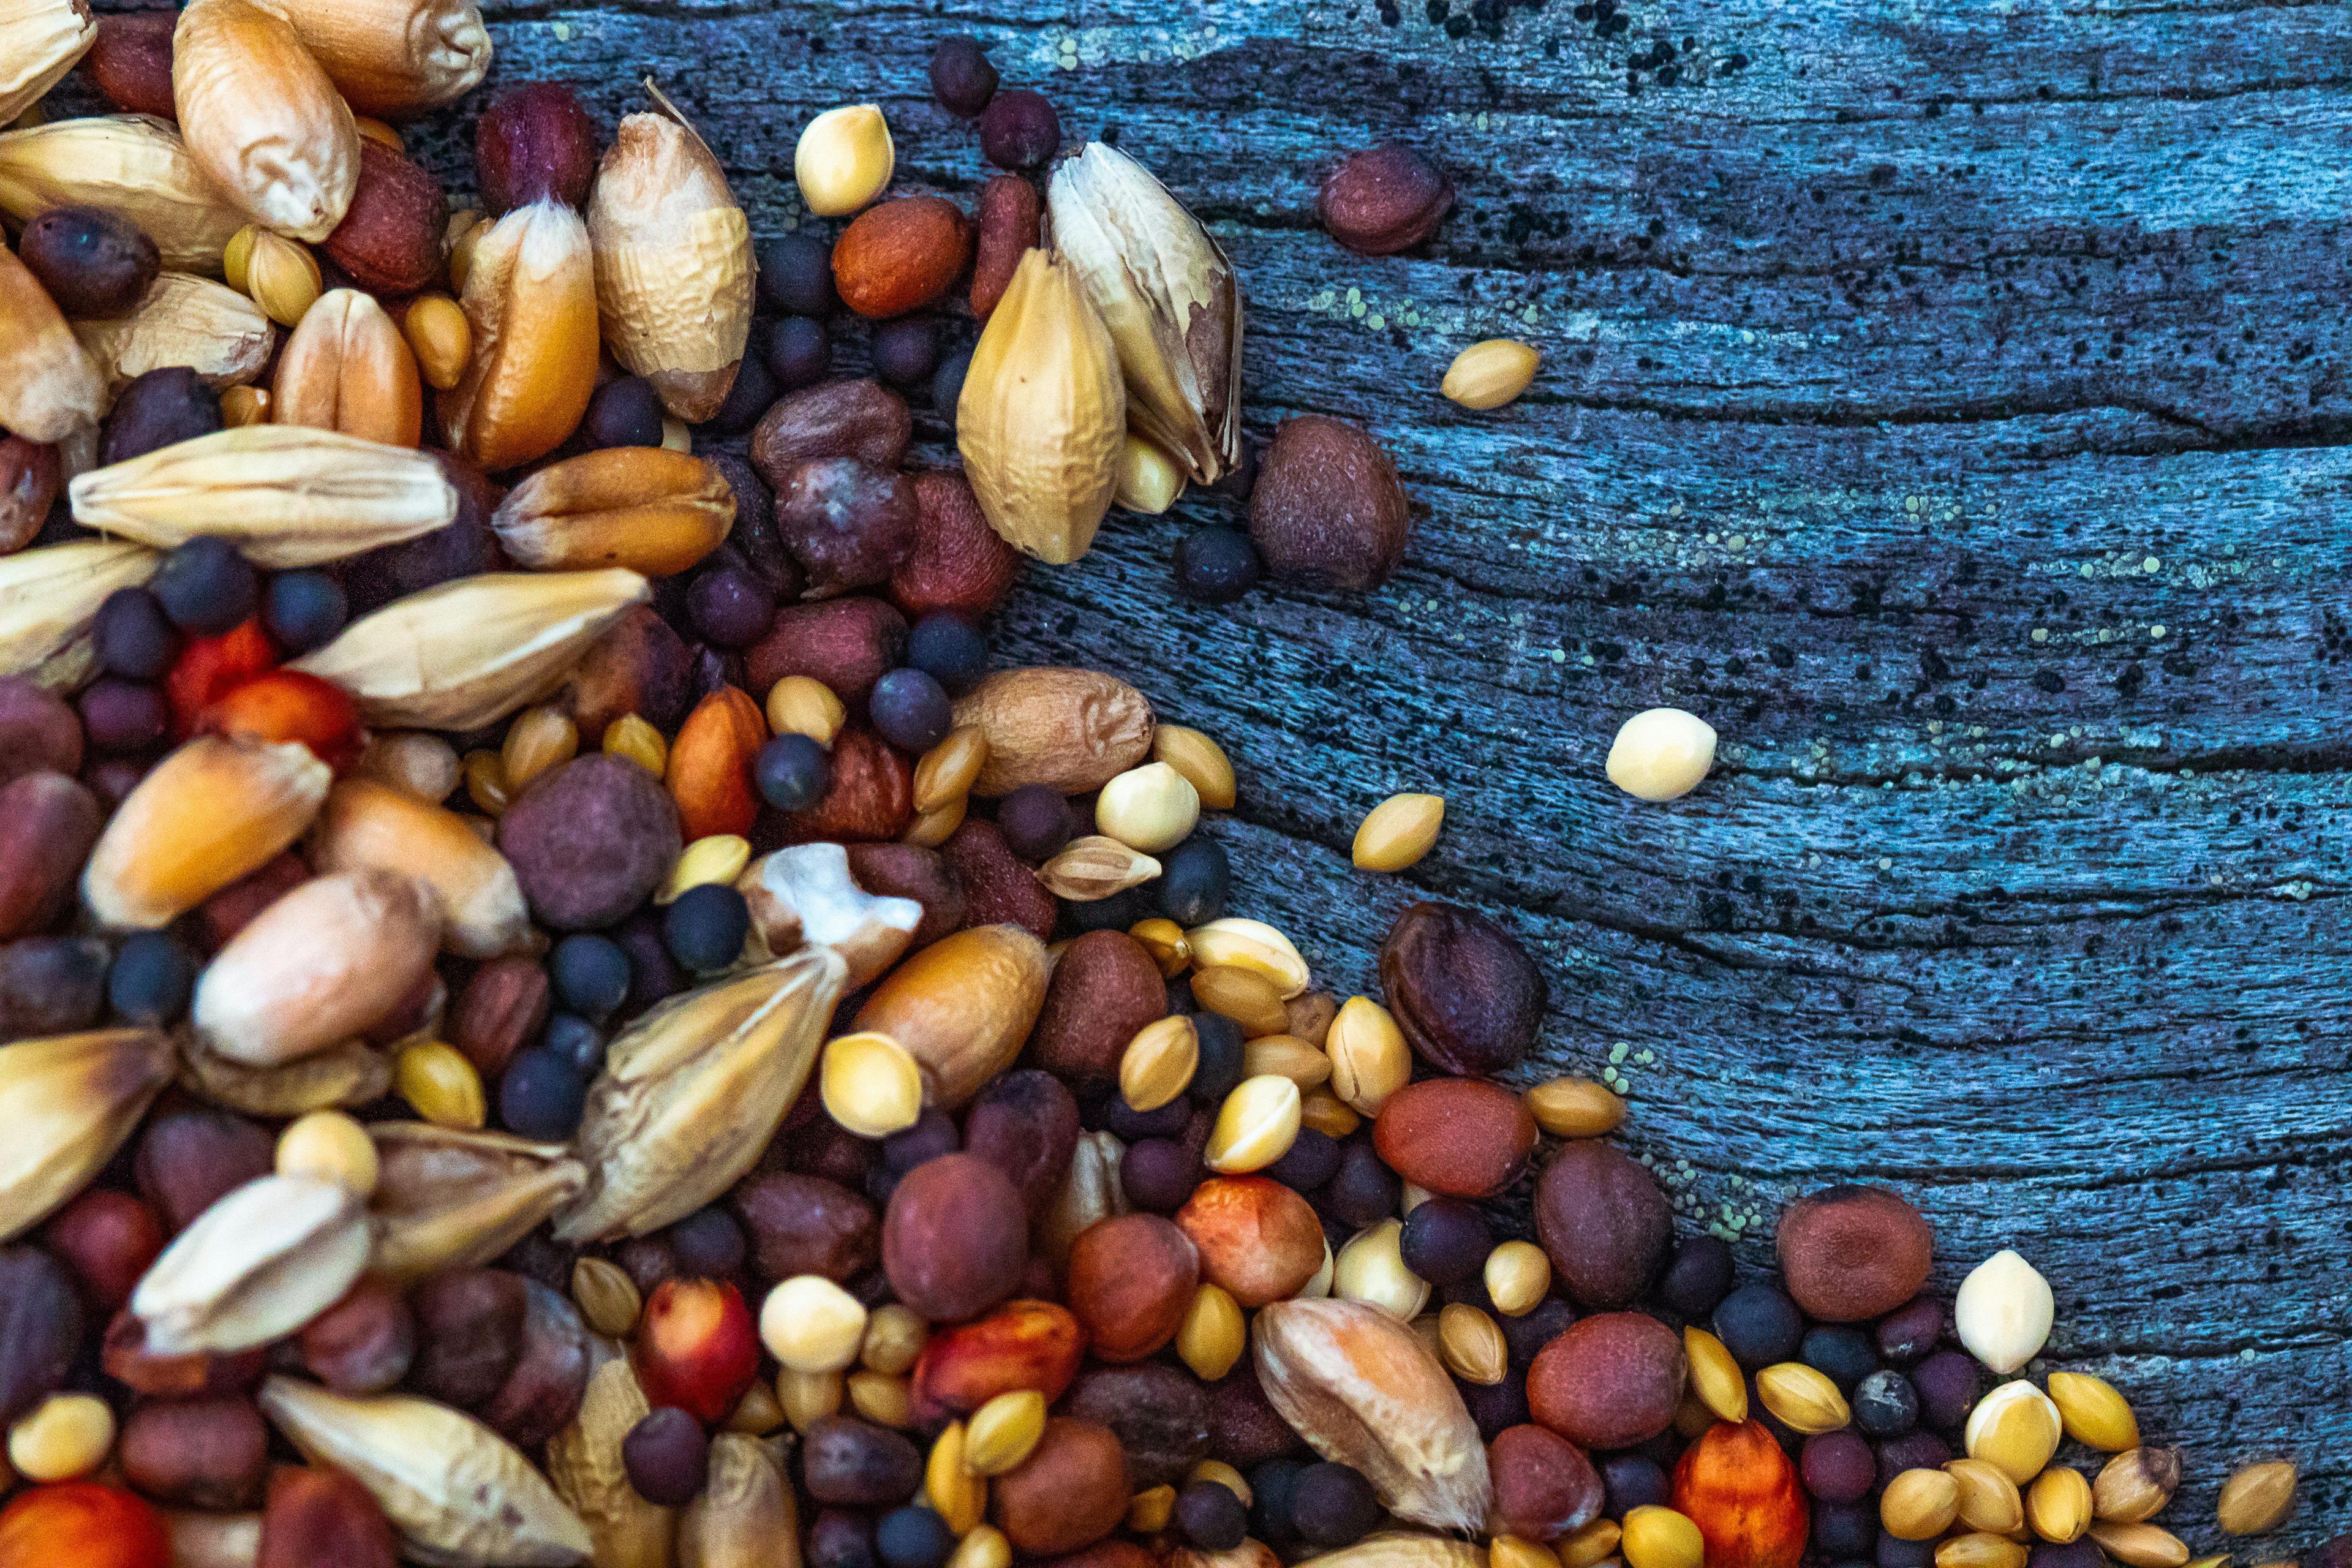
(1662, 754)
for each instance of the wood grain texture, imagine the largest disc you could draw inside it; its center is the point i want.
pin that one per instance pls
(1946, 402)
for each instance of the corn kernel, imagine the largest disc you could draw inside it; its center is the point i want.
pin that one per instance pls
(758, 1412)
(1516, 1552)
(1003, 1432)
(1201, 760)
(630, 736)
(869, 1084)
(332, 1147)
(1287, 1055)
(894, 1338)
(1159, 1063)
(440, 1085)
(955, 1494)
(376, 130)
(843, 161)
(282, 278)
(608, 1298)
(2093, 1413)
(811, 1324)
(1164, 940)
(716, 857)
(1397, 833)
(1214, 1334)
(1490, 374)
(1369, 1061)
(1588, 1547)
(1576, 1108)
(1471, 1345)
(932, 828)
(1248, 999)
(1323, 1111)
(485, 782)
(948, 770)
(65, 1436)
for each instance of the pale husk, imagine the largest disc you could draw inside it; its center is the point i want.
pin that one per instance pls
(261, 118)
(584, 1460)
(49, 597)
(1169, 298)
(394, 59)
(693, 1090)
(132, 166)
(447, 1198)
(68, 1103)
(674, 267)
(343, 1078)
(1044, 414)
(745, 1517)
(49, 386)
(325, 962)
(182, 320)
(39, 42)
(1403, 1549)
(467, 654)
(458, 1493)
(259, 1264)
(1364, 1390)
(284, 495)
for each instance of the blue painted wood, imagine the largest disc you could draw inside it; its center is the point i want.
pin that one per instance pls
(1949, 403)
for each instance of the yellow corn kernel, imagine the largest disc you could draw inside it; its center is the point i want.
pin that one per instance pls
(485, 782)
(1214, 1334)
(1516, 1552)
(1003, 1431)
(1591, 1546)
(1323, 1111)
(1576, 1108)
(1660, 1538)
(758, 1412)
(1165, 941)
(440, 1085)
(1256, 1126)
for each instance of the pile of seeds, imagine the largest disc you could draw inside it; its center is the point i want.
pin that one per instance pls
(573, 1017)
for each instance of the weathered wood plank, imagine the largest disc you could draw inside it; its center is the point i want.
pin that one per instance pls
(1949, 403)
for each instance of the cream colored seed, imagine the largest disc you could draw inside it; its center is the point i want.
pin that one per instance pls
(540, 739)
(608, 1298)
(2058, 1505)
(1323, 1111)
(1252, 945)
(2135, 1486)
(844, 160)
(717, 857)
(1576, 1108)
(946, 771)
(870, 1084)
(282, 278)
(895, 1337)
(2256, 1498)
(1370, 1059)
(1288, 1056)
(1919, 1505)
(808, 1397)
(1214, 1334)
(1801, 1399)
(1224, 1475)
(1164, 940)
(1518, 1278)
(1248, 999)
(65, 1436)
(1591, 1546)
(2094, 1412)
(884, 1400)
(1199, 760)
(1490, 374)
(1721, 1386)
(332, 1147)
(1254, 1127)
(1150, 809)
(1159, 1063)
(419, 764)
(1516, 1551)
(2015, 1427)
(440, 1085)
(2003, 1311)
(1371, 1268)
(811, 1324)
(1989, 1500)
(982, 1546)
(1399, 831)
(801, 705)
(1471, 1345)
(1661, 1538)
(1661, 754)
(2140, 1545)
(632, 737)
(1003, 1431)
(955, 1494)
(1150, 482)
(1149, 1511)
(243, 405)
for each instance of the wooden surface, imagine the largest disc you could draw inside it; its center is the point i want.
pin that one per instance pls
(1948, 404)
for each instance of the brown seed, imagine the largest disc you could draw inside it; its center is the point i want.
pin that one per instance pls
(1025, 1124)
(900, 256)
(502, 1005)
(1075, 730)
(1466, 994)
(1131, 1280)
(846, 644)
(1258, 1240)
(862, 419)
(958, 562)
(364, 1343)
(130, 62)
(1070, 1492)
(1610, 1381)
(47, 824)
(1604, 1222)
(1544, 1486)
(998, 887)
(1328, 510)
(209, 1453)
(955, 1238)
(29, 480)
(1385, 200)
(1850, 1252)
(390, 239)
(1105, 988)
(1010, 213)
(316, 1516)
(1462, 1137)
(806, 1225)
